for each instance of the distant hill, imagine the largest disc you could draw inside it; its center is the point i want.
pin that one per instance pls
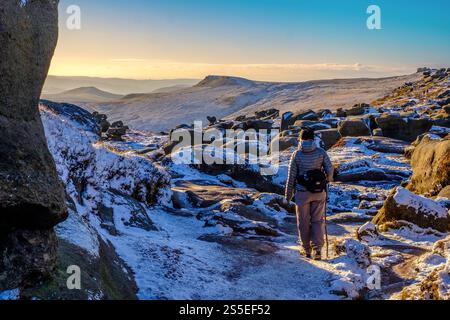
(224, 96)
(58, 84)
(83, 95)
(170, 89)
(221, 81)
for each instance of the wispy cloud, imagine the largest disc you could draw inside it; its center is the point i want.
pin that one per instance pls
(278, 72)
(127, 60)
(282, 66)
(314, 67)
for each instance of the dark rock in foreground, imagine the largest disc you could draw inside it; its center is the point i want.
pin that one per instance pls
(105, 277)
(28, 256)
(32, 198)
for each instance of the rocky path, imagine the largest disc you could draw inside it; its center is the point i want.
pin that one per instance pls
(265, 266)
(184, 261)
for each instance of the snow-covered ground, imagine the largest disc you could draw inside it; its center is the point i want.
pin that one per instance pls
(187, 234)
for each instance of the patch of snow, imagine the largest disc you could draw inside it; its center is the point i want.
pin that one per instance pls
(77, 230)
(83, 161)
(419, 203)
(9, 294)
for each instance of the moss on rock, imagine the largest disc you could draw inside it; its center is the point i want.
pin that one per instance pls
(104, 277)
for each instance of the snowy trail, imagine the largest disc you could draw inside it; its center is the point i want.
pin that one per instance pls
(284, 275)
(174, 264)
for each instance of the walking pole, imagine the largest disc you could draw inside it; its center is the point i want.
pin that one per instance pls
(326, 227)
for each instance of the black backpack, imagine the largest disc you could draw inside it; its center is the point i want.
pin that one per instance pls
(315, 181)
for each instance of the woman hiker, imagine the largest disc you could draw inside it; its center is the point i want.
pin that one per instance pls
(310, 169)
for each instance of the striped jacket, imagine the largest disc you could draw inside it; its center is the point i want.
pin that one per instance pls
(307, 157)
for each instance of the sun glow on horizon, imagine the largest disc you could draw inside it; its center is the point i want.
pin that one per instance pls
(140, 69)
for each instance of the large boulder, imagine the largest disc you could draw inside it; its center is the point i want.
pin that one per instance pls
(314, 125)
(116, 133)
(267, 114)
(246, 211)
(307, 115)
(365, 170)
(329, 137)
(28, 256)
(102, 121)
(203, 194)
(289, 118)
(384, 144)
(287, 142)
(332, 122)
(354, 160)
(341, 113)
(276, 202)
(447, 109)
(431, 166)
(403, 205)
(324, 113)
(254, 124)
(355, 250)
(86, 120)
(441, 120)
(398, 127)
(212, 120)
(223, 125)
(445, 193)
(177, 139)
(286, 120)
(353, 128)
(254, 179)
(358, 110)
(32, 198)
(367, 232)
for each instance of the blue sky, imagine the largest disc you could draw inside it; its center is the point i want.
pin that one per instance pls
(271, 39)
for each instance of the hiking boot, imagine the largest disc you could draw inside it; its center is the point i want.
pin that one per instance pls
(317, 255)
(306, 253)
